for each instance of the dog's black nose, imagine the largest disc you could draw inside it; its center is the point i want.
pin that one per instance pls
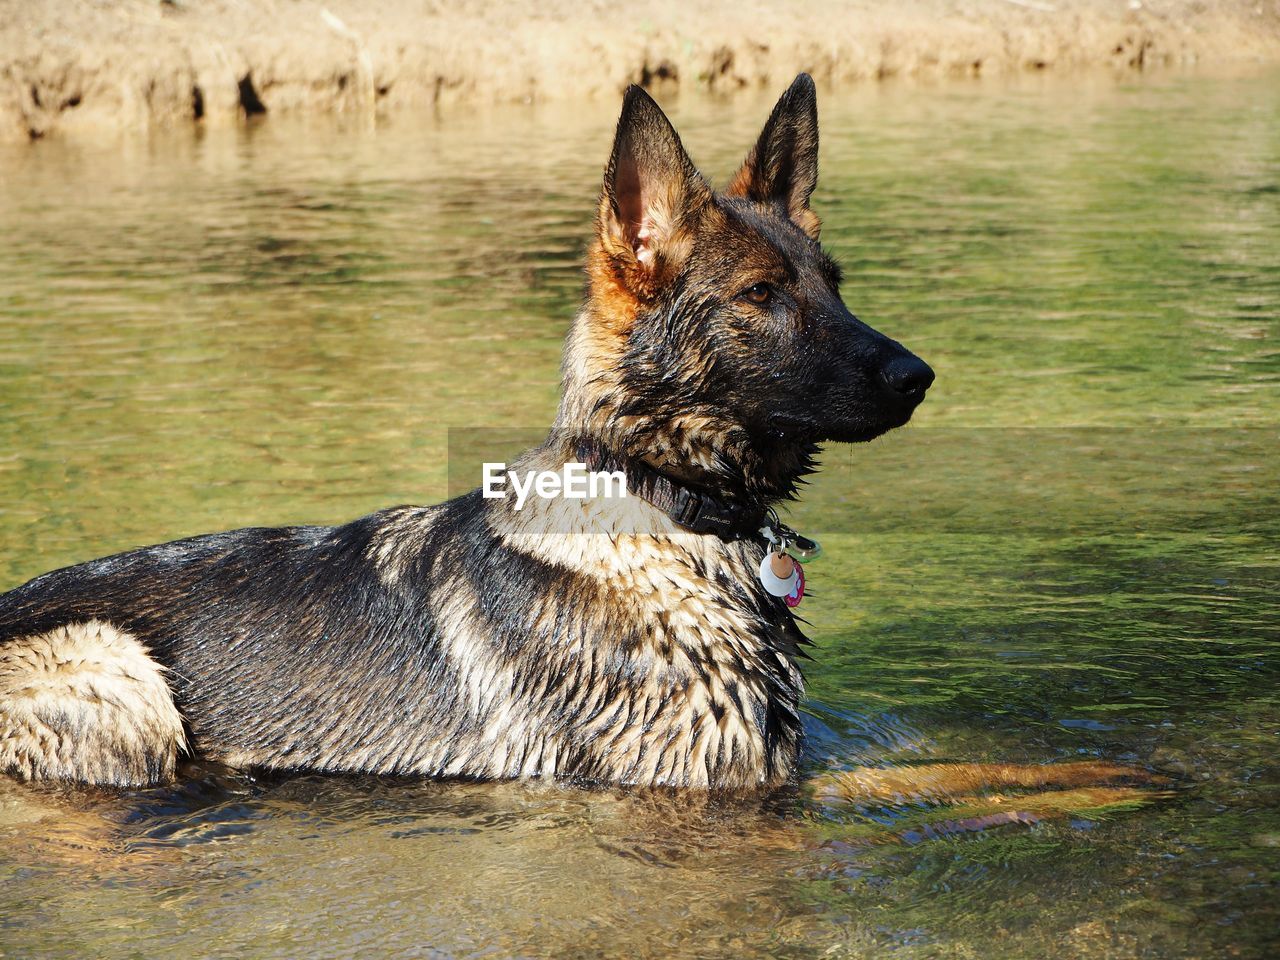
(909, 375)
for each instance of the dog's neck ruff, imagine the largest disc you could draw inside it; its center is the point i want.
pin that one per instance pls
(695, 510)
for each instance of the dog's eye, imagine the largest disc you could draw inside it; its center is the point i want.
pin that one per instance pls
(760, 293)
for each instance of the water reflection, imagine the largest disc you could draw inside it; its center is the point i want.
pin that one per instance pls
(1069, 558)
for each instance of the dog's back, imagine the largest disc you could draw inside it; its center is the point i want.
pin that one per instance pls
(413, 641)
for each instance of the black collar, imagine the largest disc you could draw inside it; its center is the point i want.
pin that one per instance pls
(693, 509)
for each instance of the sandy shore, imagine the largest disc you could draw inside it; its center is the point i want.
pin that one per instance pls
(88, 67)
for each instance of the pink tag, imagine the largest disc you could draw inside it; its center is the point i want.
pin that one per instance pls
(793, 598)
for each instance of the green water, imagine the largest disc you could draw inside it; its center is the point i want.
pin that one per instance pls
(1070, 554)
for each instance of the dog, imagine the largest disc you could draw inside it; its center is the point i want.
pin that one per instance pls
(630, 640)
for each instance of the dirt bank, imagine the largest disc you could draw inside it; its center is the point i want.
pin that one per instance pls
(93, 66)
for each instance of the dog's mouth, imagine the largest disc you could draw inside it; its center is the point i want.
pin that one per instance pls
(862, 435)
(789, 427)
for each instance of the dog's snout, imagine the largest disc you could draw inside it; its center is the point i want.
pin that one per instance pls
(908, 375)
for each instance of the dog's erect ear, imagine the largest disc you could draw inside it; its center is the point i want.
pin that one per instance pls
(782, 167)
(651, 190)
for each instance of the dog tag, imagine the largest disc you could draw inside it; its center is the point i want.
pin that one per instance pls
(780, 570)
(793, 598)
(802, 549)
(780, 575)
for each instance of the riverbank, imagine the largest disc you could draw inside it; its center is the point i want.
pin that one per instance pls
(80, 67)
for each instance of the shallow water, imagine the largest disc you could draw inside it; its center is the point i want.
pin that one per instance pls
(1071, 553)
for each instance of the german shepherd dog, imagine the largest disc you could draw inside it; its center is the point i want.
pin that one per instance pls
(626, 641)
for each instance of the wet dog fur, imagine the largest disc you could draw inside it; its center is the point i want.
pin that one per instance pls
(593, 640)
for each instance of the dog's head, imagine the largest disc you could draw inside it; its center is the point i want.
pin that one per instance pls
(718, 315)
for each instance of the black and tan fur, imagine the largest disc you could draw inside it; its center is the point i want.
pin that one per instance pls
(578, 639)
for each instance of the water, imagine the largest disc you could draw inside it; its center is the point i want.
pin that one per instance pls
(1070, 555)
